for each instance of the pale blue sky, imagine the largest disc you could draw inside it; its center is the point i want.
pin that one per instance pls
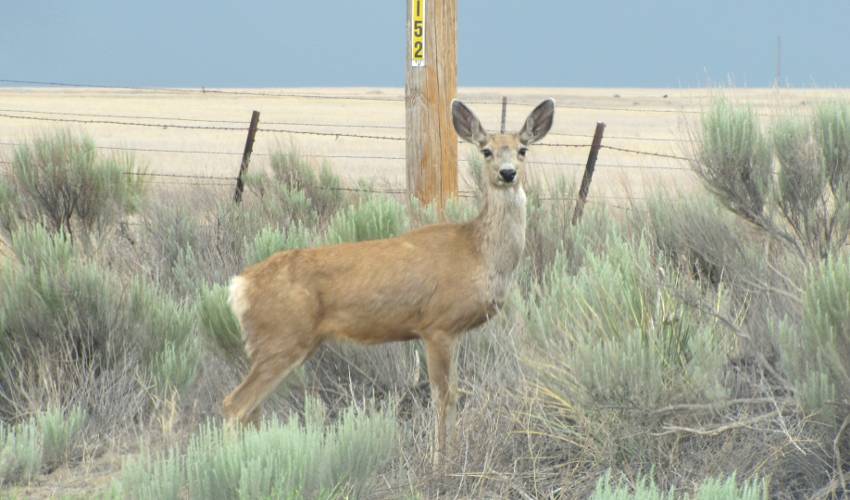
(286, 43)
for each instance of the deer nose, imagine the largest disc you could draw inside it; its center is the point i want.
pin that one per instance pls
(508, 174)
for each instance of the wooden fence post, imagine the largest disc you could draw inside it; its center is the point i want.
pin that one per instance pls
(588, 172)
(431, 84)
(246, 156)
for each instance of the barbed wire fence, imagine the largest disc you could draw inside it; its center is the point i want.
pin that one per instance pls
(296, 128)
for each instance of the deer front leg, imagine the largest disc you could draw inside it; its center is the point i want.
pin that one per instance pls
(439, 351)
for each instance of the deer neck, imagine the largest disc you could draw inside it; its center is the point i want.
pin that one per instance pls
(500, 231)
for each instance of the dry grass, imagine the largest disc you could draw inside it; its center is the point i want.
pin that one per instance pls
(574, 117)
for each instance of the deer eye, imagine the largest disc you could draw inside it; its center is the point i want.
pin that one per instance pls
(522, 152)
(488, 153)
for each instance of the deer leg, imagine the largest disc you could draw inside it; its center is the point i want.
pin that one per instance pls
(440, 375)
(244, 403)
(254, 419)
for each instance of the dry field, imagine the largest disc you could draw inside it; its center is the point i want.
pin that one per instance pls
(649, 120)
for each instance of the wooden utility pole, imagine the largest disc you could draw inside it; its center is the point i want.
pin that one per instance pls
(778, 81)
(246, 155)
(431, 85)
(595, 145)
(504, 114)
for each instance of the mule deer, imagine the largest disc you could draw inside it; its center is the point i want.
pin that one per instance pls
(432, 283)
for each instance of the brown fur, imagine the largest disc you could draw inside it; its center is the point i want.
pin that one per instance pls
(433, 283)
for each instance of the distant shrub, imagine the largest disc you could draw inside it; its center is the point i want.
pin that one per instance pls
(189, 247)
(171, 229)
(277, 461)
(375, 218)
(270, 241)
(816, 354)
(700, 237)
(304, 185)
(549, 230)
(457, 209)
(63, 183)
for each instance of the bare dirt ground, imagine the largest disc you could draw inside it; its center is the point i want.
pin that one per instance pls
(648, 120)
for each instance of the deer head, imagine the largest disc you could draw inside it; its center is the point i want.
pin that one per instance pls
(504, 154)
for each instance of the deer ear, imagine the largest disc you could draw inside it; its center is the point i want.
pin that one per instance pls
(467, 125)
(538, 123)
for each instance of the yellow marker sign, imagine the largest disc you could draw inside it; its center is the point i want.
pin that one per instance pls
(417, 40)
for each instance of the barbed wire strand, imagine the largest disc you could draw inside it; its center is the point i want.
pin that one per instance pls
(291, 123)
(646, 153)
(240, 129)
(202, 127)
(196, 120)
(396, 158)
(210, 181)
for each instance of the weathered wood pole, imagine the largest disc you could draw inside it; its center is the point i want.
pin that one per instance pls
(504, 113)
(588, 172)
(431, 84)
(246, 156)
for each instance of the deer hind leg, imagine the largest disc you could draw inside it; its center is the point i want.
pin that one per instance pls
(439, 352)
(268, 369)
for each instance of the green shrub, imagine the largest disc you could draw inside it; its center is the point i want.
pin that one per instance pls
(808, 203)
(39, 444)
(277, 461)
(626, 338)
(460, 209)
(171, 229)
(831, 126)
(297, 174)
(816, 354)
(59, 302)
(613, 343)
(549, 229)
(813, 194)
(709, 489)
(699, 237)
(176, 365)
(733, 158)
(270, 241)
(190, 247)
(150, 477)
(20, 452)
(8, 206)
(375, 218)
(54, 296)
(62, 182)
(60, 433)
(218, 323)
